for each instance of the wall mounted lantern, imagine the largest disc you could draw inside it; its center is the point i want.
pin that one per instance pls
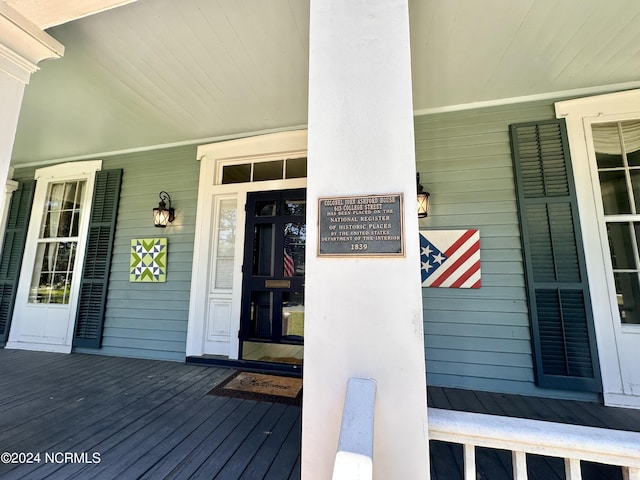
(161, 214)
(423, 199)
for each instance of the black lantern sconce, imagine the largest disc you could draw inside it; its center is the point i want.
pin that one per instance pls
(423, 199)
(161, 214)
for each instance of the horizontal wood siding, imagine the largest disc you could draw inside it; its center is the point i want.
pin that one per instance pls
(149, 320)
(478, 338)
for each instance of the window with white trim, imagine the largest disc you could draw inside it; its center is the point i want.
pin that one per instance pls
(617, 147)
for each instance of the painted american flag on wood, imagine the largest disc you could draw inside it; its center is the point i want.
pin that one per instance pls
(450, 258)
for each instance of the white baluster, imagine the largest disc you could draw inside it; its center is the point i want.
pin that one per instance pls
(469, 462)
(519, 460)
(572, 469)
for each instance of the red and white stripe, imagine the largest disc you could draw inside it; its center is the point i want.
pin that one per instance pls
(462, 267)
(289, 267)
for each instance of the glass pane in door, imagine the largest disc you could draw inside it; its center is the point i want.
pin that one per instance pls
(273, 352)
(628, 296)
(295, 207)
(55, 256)
(293, 315)
(295, 238)
(266, 208)
(615, 195)
(263, 249)
(617, 145)
(623, 246)
(225, 244)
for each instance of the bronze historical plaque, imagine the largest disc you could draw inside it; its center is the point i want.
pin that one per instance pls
(369, 225)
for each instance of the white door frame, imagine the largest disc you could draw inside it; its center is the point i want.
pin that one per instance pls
(611, 335)
(214, 314)
(85, 170)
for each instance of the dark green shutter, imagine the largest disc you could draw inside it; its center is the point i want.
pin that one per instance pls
(558, 292)
(13, 250)
(97, 262)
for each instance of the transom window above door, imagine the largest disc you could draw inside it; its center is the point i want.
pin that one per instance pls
(617, 149)
(259, 171)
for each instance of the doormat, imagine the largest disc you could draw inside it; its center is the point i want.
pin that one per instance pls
(261, 387)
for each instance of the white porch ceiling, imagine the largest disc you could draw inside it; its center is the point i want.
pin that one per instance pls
(157, 72)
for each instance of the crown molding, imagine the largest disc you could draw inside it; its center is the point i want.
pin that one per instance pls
(23, 45)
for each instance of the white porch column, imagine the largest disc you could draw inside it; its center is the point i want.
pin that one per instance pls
(363, 315)
(22, 46)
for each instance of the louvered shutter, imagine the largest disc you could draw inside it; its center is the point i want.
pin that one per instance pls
(557, 289)
(13, 250)
(95, 276)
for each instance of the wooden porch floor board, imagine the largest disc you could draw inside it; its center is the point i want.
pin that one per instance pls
(166, 444)
(155, 420)
(536, 408)
(133, 428)
(217, 459)
(192, 462)
(39, 389)
(195, 439)
(150, 443)
(287, 460)
(239, 459)
(85, 414)
(446, 460)
(24, 387)
(545, 468)
(263, 458)
(493, 464)
(489, 400)
(95, 401)
(146, 418)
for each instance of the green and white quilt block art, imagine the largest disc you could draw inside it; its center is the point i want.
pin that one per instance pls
(148, 260)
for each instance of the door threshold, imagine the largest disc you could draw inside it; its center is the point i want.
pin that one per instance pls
(248, 365)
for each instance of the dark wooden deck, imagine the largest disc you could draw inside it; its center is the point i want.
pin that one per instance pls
(142, 418)
(148, 419)
(535, 408)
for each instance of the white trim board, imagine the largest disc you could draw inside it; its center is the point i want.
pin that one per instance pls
(616, 349)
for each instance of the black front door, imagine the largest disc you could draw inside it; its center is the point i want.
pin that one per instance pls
(272, 314)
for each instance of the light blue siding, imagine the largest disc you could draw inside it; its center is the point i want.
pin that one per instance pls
(149, 320)
(478, 338)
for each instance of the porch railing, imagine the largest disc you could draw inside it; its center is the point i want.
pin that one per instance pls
(354, 460)
(573, 443)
